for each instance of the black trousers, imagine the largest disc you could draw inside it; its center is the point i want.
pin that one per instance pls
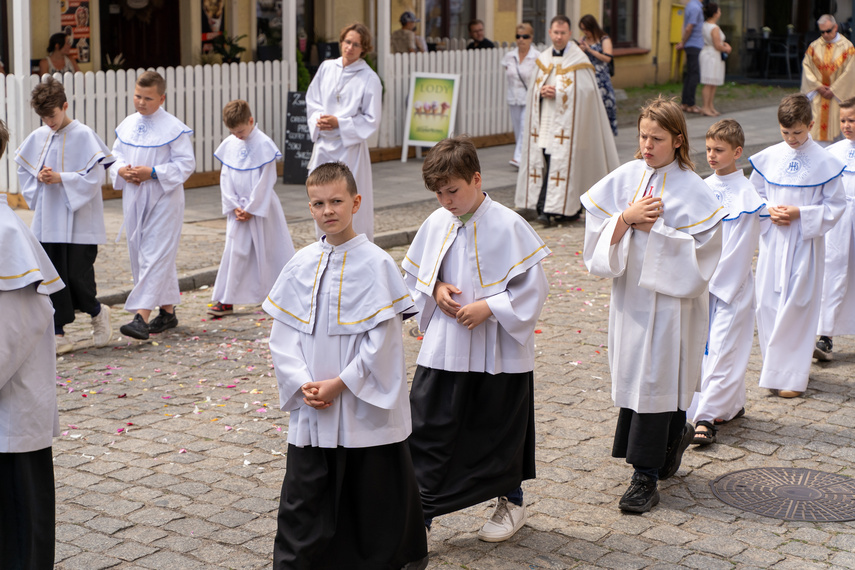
(643, 438)
(27, 510)
(75, 264)
(693, 75)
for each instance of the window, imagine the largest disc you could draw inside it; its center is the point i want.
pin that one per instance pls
(448, 18)
(620, 22)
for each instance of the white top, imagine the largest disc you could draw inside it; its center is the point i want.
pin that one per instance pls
(28, 411)
(502, 267)
(71, 211)
(519, 74)
(658, 316)
(338, 314)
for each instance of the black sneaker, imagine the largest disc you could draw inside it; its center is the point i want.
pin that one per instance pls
(823, 349)
(641, 496)
(136, 328)
(162, 322)
(674, 454)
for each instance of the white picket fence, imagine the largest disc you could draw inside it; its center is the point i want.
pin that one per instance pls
(194, 94)
(458, 43)
(482, 104)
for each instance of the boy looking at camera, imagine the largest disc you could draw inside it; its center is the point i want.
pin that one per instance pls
(154, 157)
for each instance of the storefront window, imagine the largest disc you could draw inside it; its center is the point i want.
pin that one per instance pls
(448, 18)
(620, 22)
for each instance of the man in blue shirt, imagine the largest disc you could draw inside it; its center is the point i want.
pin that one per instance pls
(693, 41)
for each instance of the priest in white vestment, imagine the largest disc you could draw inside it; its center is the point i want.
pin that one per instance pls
(28, 409)
(343, 105)
(568, 143)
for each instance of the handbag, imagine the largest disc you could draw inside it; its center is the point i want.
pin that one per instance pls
(612, 67)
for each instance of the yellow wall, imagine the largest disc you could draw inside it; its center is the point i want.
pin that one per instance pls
(331, 16)
(504, 21)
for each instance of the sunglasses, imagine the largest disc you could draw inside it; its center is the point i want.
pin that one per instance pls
(828, 31)
(523, 36)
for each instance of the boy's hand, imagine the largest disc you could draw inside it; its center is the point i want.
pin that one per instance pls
(48, 176)
(328, 122)
(784, 215)
(143, 173)
(474, 314)
(320, 395)
(129, 174)
(242, 215)
(642, 213)
(442, 293)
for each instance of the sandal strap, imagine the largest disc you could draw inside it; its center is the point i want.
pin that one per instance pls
(709, 425)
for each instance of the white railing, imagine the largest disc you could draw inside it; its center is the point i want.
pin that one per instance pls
(458, 43)
(482, 105)
(194, 94)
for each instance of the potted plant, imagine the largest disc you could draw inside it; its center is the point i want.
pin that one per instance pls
(228, 47)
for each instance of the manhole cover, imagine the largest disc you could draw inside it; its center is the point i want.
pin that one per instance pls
(788, 493)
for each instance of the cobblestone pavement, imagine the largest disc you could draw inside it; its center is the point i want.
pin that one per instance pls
(171, 454)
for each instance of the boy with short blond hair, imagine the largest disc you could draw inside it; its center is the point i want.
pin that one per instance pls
(154, 157)
(61, 170)
(349, 498)
(837, 307)
(476, 363)
(801, 185)
(731, 328)
(258, 243)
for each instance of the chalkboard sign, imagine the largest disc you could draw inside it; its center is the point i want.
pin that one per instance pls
(298, 141)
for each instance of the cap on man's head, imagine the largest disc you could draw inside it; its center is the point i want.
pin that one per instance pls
(408, 17)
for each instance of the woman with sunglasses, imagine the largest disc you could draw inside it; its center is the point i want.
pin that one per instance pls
(519, 64)
(598, 46)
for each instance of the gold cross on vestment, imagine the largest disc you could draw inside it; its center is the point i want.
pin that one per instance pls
(534, 134)
(535, 175)
(561, 137)
(557, 178)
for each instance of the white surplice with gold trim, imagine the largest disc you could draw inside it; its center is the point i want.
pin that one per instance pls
(791, 261)
(829, 64)
(658, 313)
(573, 129)
(28, 411)
(338, 313)
(71, 211)
(494, 256)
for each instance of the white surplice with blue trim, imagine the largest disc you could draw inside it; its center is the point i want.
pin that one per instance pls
(658, 314)
(338, 313)
(154, 209)
(495, 256)
(71, 211)
(257, 249)
(837, 310)
(28, 411)
(722, 391)
(791, 261)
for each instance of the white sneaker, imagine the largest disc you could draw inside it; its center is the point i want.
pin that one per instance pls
(507, 519)
(63, 345)
(101, 327)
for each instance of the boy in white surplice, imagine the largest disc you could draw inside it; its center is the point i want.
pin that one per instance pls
(479, 301)
(349, 498)
(60, 176)
(258, 244)
(154, 157)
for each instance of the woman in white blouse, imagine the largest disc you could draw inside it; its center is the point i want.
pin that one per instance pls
(518, 64)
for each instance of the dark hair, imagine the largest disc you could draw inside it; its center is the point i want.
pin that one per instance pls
(710, 10)
(473, 22)
(152, 79)
(794, 109)
(57, 39)
(590, 23)
(330, 173)
(454, 157)
(848, 104)
(729, 131)
(4, 137)
(48, 96)
(364, 36)
(560, 18)
(667, 114)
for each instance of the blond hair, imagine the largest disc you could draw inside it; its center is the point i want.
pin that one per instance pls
(236, 113)
(667, 114)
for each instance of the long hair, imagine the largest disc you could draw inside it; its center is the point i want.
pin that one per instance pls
(590, 23)
(667, 114)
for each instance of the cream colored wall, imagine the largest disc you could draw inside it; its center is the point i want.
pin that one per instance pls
(40, 27)
(504, 21)
(333, 15)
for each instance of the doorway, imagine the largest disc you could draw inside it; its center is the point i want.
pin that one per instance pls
(149, 36)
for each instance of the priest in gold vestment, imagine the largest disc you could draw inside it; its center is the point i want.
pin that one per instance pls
(828, 77)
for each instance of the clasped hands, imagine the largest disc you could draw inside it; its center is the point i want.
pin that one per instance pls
(783, 215)
(548, 91)
(48, 176)
(320, 395)
(242, 215)
(136, 174)
(643, 213)
(327, 122)
(470, 315)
